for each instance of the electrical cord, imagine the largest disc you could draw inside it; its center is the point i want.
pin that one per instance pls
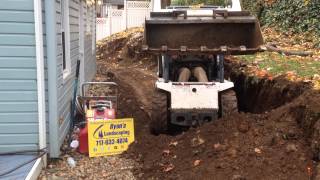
(23, 152)
(41, 151)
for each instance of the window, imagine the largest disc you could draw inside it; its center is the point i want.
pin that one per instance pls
(65, 38)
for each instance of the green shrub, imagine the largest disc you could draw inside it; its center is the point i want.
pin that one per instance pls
(297, 16)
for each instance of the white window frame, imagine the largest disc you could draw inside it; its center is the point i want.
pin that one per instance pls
(65, 27)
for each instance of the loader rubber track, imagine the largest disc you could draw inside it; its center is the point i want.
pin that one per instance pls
(228, 103)
(159, 113)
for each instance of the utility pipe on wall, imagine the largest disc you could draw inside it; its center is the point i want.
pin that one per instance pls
(40, 75)
(51, 50)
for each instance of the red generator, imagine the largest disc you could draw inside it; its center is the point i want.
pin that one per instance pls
(96, 106)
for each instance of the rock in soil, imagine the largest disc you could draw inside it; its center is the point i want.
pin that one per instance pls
(238, 177)
(291, 148)
(243, 126)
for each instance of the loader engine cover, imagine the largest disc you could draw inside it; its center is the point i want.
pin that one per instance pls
(194, 97)
(193, 102)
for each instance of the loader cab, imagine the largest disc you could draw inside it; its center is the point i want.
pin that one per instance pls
(169, 67)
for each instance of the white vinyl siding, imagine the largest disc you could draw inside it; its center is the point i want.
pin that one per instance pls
(65, 85)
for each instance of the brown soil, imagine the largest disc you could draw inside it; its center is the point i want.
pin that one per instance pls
(250, 146)
(281, 142)
(257, 95)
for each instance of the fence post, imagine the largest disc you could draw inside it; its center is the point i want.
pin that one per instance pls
(110, 19)
(126, 14)
(133, 15)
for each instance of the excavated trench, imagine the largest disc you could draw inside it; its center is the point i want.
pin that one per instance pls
(258, 95)
(276, 130)
(274, 136)
(296, 100)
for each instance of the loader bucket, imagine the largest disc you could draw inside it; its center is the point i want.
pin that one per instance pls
(224, 32)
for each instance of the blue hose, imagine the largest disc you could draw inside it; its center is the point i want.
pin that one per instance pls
(73, 102)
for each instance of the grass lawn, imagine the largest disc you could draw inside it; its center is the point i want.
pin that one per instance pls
(271, 64)
(277, 64)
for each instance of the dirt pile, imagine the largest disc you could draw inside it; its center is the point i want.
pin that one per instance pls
(123, 50)
(121, 46)
(245, 146)
(272, 145)
(281, 142)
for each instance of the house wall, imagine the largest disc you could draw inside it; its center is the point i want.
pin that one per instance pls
(18, 74)
(89, 45)
(65, 84)
(18, 85)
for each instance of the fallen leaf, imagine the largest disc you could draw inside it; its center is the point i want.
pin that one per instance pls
(257, 150)
(262, 73)
(166, 152)
(316, 77)
(316, 84)
(290, 73)
(168, 168)
(175, 143)
(215, 146)
(197, 141)
(197, 162)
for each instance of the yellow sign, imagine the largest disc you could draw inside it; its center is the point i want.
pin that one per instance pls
(109, 137)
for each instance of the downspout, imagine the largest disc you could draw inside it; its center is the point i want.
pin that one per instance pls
(50, 13)
(40, 76)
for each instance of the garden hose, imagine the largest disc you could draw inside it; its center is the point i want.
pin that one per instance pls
(41, 152)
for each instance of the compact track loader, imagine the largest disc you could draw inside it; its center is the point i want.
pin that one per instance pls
(190, 45)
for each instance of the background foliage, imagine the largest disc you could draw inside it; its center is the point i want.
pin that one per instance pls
(297, 16)
(294, 16)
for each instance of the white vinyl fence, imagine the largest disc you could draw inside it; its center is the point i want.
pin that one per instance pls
(133, 15)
